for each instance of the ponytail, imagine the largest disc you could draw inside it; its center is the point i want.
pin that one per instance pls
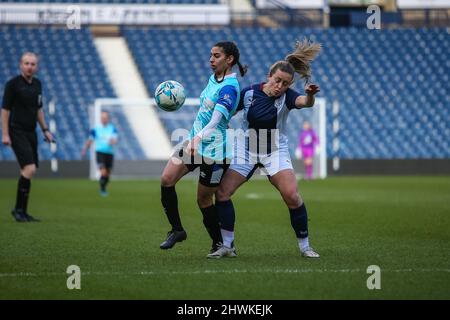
(305, 52)
(242, 69)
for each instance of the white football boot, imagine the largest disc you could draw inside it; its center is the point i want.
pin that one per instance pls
(309, 253)
(223, 252)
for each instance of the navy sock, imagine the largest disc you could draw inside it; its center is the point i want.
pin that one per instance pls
(103, 182)
(225, 210)
(299, 221)
(169, 202)
(23, 191)
(211, 222)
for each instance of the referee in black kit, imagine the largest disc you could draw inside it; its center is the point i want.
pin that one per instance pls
(21, 108)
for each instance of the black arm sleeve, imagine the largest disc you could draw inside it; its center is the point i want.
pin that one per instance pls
(40, 102)
(8, 96)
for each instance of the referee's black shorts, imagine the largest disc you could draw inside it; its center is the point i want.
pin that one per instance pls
(24, 144)
(104, 160)
(211, 171)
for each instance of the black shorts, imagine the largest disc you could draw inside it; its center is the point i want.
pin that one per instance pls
(25, 147)
(104, 160)
(211, 171)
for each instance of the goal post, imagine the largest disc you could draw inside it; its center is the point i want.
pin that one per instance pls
(143, 139)
(317, 117)
(130, 162)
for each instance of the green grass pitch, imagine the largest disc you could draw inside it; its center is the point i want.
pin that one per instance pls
(401, 224)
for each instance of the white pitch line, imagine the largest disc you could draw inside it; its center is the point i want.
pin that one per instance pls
(205, 272)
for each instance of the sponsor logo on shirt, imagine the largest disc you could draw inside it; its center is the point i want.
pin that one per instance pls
(279, 102)
(227, 99)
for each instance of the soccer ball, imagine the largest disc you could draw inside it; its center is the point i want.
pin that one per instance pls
(169, 95)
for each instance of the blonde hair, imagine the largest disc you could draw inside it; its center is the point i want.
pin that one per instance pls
(304, 53)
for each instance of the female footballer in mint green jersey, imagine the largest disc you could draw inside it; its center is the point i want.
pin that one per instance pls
(206, 147)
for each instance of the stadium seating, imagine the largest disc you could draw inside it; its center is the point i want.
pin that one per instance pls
(392, 85)
(73, 76)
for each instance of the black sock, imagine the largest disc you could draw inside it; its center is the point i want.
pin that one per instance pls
(169, 202)
(23, 190)
(211, 222)
(103, 182)
(299, 221)
(225, 210)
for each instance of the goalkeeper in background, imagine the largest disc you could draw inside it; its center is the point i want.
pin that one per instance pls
(105, 137)
(306, 148)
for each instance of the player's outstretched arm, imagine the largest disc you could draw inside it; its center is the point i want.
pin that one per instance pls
(41, 119)
(86, 146)
(308, 100)
(5, 127)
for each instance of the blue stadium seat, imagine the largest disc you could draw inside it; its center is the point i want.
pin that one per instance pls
(392, 85)
(72, 74)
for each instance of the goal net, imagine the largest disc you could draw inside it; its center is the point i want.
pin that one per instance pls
(317, 117)
(148, 135)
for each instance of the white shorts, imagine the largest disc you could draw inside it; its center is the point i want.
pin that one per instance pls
(246, 163)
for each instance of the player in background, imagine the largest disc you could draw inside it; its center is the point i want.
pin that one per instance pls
(307, 143)
(206, 146)
(21, 109)
(105, 138)
(266, 107)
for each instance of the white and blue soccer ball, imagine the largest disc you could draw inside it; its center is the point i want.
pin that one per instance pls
(170, 95)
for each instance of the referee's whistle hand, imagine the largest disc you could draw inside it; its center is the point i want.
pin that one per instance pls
(49, 137)
(6, 140)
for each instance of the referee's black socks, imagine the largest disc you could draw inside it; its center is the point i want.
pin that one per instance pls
(211, 222)
(23, 190)
(169, 202)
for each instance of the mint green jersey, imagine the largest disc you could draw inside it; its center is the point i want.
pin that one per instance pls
(224, 97)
